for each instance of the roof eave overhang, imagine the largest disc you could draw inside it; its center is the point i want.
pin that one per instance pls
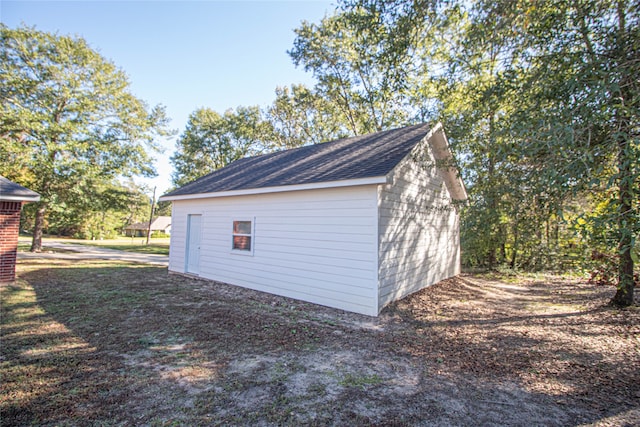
(375, 180)
(7, 198)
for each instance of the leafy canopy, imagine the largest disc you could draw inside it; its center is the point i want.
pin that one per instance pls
(68, 120)
(211, 141)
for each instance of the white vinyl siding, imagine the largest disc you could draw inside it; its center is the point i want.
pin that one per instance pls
(418, 232)
(315, 245)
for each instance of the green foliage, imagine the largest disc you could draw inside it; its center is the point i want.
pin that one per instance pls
(86, 218)
(540, 100)
(212, 141)
(577, 116)
(301, 116)
(362, 73)
(162, 209)
(362, 69)
(69, 127)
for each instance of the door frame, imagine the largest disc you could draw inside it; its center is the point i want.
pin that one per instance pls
(188, 243)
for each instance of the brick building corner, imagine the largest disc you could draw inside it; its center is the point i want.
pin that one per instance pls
(12, 197)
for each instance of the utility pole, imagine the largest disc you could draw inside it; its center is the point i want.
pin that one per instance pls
(153, 205)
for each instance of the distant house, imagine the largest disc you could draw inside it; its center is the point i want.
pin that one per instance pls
(352, 224)
(12, 196)
(139, 229)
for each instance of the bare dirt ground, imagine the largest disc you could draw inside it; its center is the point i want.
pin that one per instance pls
(112, 343)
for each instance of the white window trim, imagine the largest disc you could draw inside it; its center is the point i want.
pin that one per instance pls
(252, 235)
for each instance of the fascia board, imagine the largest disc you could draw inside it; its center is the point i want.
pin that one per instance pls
(439, 145)
(279, 189)
(19, 198)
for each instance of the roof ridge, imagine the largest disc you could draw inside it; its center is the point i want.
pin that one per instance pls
(333, 141)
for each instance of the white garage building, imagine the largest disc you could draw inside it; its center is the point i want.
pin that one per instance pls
(352, 224)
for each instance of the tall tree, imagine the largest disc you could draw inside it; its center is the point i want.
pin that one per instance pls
(68, 118)
(478, 111)
(581, 109)
(554, 86)
(301, 116)
(103, 216)
(212, 141)
(361, 67)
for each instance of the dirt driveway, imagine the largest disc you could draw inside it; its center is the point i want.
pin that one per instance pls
(110, 343)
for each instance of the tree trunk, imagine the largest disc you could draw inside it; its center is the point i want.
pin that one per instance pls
(514, 252)
(626, 285)
(624, 293)
(492, 202)
(36, 244)
(626, 193)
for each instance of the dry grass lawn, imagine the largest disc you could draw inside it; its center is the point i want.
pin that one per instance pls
(109, 343)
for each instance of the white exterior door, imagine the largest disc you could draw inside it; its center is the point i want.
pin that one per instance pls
(193, 244)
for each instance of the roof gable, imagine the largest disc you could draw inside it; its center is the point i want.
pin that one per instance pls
(365, 156)
(9, 190)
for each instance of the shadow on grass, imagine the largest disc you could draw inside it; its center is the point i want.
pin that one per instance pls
(113, 343)
(121, 342)
(60, 327)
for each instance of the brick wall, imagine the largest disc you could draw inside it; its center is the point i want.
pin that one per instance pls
(9, 227)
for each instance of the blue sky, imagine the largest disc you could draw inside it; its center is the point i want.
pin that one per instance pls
(184, 55)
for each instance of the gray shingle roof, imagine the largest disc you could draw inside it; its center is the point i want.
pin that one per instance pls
(357, 157)
(9, 190)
